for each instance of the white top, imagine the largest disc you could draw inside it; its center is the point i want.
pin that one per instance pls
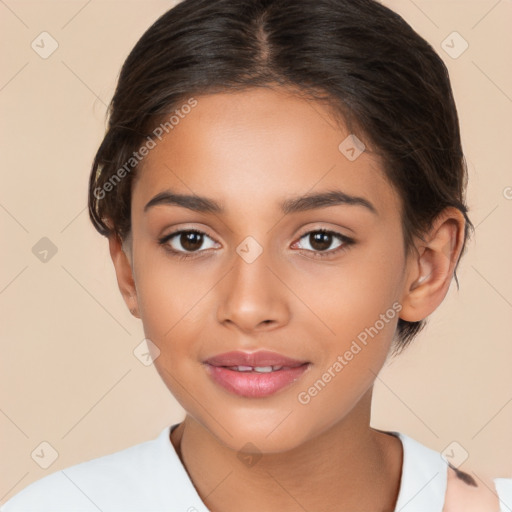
(149, 477)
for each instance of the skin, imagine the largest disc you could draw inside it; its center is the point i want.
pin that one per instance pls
(249, 151)
(467, 494)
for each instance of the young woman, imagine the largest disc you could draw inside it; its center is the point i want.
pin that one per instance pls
(282, 187)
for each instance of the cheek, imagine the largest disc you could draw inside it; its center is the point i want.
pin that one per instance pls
(353, 296)
(172, 311)
(349, 364)
(359, 304)
(169, 293)
(176, 305)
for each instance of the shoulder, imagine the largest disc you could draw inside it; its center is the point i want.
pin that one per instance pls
(429, 482)
(119, 481)
(471, 493)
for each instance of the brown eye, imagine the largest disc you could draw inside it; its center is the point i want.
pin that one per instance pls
(191, 240)
(186, 241)
(320, 242)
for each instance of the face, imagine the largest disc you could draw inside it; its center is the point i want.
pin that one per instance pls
(316, 281)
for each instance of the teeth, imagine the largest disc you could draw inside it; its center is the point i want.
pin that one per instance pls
(258, 369)
(263, 369)
(241, 368)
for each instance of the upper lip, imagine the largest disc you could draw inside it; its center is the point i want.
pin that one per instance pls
(260, 358)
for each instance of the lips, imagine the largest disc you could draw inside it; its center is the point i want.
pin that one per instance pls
(254, 375)
(259, 359)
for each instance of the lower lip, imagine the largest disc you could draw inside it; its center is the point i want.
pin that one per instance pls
(252, 384)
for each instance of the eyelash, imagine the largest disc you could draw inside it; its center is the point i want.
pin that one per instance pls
(347, 242)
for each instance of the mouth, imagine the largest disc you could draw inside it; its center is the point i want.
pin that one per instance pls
(254, 375)
(260, 359)
(259, 369)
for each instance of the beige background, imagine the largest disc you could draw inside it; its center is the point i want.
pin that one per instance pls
(68, 373)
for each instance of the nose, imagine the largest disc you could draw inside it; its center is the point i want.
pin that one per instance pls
(252, 297)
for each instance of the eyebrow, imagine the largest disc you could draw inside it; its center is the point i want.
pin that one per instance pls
(292, 205)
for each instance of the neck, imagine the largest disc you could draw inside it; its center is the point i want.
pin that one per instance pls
(349, 466)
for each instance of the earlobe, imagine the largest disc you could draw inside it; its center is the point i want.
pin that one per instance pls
(124, 273)
(431, 266)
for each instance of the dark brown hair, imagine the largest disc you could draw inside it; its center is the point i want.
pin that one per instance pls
(385, 81)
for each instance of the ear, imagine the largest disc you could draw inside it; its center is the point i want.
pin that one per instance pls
(121, 258)
(431, 266)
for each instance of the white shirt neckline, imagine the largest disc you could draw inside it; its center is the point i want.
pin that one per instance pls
(423, 479)
(149, 477)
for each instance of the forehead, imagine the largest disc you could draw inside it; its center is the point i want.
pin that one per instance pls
(252, 149)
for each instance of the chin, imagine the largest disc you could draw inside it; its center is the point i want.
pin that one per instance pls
(261, 431)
